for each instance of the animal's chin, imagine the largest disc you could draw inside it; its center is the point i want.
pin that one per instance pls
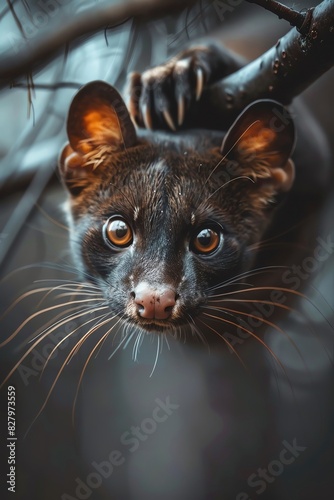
(154, 325)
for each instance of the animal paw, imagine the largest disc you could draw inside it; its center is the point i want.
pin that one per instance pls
(161, 97)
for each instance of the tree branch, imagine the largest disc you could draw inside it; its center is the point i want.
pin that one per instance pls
(17, 20)
(294, 17)
(282, 73)
(63, 29)
(297, 60)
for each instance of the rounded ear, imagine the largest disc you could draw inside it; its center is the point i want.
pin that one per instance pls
(98, 116)
(98, 125)
(261, 141)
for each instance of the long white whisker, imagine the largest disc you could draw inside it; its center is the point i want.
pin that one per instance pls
(229, 182)
(156, 356)
(196, 331)
(67, 360)
(97, 346)
(67, 336)
(33, 346)
(224, 339)
(93, 329)
(136, 345)
(246, 274)
(121, 342)
(38, 313)
(65, 282)
(77, 314)
(129, 339)
(231, 149)
(112, 327)
(166, 340)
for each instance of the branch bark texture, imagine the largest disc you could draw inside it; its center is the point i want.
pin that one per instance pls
(294, 17)
(297, 60)
(282, 73)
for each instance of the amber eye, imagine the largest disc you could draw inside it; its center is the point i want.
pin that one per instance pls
(206, 241)
(118, 232)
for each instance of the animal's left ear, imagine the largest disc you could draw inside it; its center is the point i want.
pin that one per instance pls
(261, 141)
(98, 121)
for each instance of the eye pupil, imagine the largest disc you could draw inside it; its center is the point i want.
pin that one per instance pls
(204, 237)
(121, 229)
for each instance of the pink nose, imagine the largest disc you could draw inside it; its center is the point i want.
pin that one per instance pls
(154, 303)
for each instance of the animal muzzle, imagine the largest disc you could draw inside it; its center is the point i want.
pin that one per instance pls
(154, 302)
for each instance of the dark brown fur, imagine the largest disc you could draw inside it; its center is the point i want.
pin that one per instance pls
(167, 188)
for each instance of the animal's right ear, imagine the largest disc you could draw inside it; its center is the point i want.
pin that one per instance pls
(98, 123)
(261, 141)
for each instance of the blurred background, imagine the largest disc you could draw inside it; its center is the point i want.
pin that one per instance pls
(223, 424)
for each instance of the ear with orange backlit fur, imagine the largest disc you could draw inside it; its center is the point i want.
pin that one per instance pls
(260, 142)
(98, 124)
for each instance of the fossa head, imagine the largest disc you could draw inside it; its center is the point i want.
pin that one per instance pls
(159, 221)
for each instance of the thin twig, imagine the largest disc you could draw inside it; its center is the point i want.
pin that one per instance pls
(61, 29)
(294, 17)
(17, 20)
(48, 86)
